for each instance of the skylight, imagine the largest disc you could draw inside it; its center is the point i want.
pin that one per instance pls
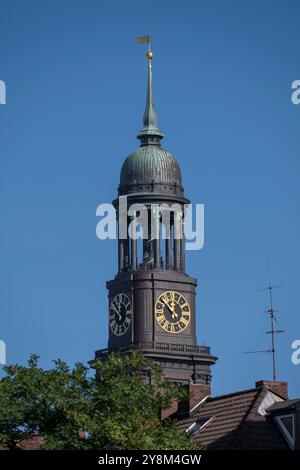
(198, 425)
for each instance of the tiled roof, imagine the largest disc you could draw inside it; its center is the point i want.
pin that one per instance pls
(236, 423)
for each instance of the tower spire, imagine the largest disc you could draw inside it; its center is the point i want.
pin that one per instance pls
(150, 134)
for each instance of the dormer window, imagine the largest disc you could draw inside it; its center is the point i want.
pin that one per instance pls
(286, 424)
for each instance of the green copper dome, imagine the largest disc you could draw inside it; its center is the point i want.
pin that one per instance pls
(150, 164)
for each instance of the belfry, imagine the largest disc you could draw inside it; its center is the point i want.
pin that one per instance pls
(152, 304)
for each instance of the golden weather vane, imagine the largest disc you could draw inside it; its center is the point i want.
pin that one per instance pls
(146, 39)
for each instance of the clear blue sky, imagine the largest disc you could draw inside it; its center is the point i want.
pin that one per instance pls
(75, 97)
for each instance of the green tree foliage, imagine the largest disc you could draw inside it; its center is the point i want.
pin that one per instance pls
(72, 410)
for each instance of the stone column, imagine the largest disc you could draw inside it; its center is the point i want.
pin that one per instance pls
(148, 254)
(177, 240)
(156, 233)
(182, 251)
(133, 242)
(121, 255)
(127, 254)
(168, 248)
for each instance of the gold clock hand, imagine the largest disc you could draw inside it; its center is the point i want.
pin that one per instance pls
(173, 299)
(174, 314)
(117, 312)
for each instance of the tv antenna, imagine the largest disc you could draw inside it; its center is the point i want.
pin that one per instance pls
(273, 331)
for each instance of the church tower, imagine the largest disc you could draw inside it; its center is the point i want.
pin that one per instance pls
(151, 300)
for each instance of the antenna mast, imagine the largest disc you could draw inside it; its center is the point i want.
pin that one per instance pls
(273, 332)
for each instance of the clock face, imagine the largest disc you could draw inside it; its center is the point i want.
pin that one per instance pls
(120, 314)
(172, 312)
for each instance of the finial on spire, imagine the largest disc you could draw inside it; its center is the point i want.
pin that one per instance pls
(149, 55)
(150, 134)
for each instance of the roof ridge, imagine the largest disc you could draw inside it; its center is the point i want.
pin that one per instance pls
(260, 391)
(239, 392)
